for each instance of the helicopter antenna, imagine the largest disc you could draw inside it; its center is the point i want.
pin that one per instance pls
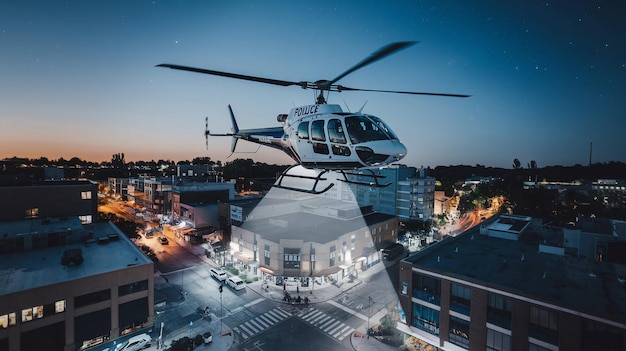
(362, 107)
(347, 108)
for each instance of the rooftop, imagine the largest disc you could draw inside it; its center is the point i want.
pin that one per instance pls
(310, 227)
(41, 267)
(517, 267)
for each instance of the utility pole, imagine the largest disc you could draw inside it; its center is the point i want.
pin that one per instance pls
(369, 311)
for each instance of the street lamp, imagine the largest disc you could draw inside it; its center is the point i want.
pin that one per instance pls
(369, 311)
(221, 308)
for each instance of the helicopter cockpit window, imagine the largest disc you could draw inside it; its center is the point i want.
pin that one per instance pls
(362, 129)
(303, 130)
(385, 127)
(335, 132)
(317, 130)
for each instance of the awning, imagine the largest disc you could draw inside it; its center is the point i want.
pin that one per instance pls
(241, 257)
(266, 271)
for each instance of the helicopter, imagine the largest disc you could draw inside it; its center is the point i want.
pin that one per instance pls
(321, 136)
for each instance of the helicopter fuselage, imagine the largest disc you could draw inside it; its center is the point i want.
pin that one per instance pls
(322, 136)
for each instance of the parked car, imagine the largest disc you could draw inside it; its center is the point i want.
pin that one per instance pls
(207, 337)
(163, 240)
(236, 283)
(218, 274)
(135, 343)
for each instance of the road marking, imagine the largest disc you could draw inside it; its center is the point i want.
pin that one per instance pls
(357, 314)
(236, 310)
(329, 328)
(348, 332)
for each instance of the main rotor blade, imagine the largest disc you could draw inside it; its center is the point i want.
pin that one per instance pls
(283, 83)
(342, 88)
(381, 53)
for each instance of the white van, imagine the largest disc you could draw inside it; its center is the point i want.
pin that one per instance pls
(219, 274)
(135, 343)
(235, 283)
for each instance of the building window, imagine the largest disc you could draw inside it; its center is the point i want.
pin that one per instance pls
(85, 195)
(266, 254)
(460, 297)
(459, 332)
(427, 288)
(426, 319)
(28, 314)
(85, 219)
(240, 241)
(92, 298)
(499, 310)
(544, 325)
(497, 341)
(333, 253)
(59, 306)
(132, 288)
(7, 320)
(32, 212)
(292, 258)
(312, 258)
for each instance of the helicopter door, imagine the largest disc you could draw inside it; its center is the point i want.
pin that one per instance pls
(318, 140)
(337, 138)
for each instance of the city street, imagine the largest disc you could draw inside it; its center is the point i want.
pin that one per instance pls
(257, 317)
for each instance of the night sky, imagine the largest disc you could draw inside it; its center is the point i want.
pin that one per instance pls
(547, 79)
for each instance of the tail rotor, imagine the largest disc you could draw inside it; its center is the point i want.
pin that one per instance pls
(206, 132)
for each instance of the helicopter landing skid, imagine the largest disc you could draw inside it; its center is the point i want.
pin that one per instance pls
(372, 175)
(317, 179)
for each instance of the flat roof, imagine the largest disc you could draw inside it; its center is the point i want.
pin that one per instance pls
(310, 227)
(41, 267)
(517, 267)
(510, 223)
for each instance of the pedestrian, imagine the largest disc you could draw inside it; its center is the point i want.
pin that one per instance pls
(298, 289)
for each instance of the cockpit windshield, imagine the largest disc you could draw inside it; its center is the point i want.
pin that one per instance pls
(364, 128)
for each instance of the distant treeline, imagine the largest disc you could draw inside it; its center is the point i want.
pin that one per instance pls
(247, 168)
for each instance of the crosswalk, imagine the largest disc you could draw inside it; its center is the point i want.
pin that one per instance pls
(326, 323)
(261, 322)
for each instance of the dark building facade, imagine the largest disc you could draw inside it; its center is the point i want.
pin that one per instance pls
(49, 200)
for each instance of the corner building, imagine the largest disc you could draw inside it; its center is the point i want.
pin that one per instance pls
(505, 286)
(47, 304)
(331, 241)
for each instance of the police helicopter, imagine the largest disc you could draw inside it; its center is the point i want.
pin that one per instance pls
(322, 136)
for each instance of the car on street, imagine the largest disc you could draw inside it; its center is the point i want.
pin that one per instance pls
(207, 337)
(218, 274)
(137, 342)
(163, 240)
(235, 283)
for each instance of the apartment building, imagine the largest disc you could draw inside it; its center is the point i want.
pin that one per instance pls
(510, 285)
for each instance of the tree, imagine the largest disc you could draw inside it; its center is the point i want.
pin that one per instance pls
(517, 164)
(532, 164)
